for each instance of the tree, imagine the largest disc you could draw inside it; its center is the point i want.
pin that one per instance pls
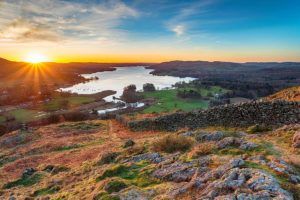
(129, 94)
(148, 87)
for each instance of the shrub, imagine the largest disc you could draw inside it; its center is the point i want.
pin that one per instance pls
(54, 118)
(257, 129)
(172, 143)
(115, 186)
(202, 149)
(75, 116)
(148, 87)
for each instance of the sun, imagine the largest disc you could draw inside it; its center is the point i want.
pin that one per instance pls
(35, 58)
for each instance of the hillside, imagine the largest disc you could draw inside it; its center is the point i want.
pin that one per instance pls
(289, 94)
(102, 159)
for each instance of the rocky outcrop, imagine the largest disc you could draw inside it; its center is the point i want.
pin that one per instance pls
(232, 181)
(236, 115)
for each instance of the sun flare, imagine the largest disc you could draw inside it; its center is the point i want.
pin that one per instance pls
(35, 58)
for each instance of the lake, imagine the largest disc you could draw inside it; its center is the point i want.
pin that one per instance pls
(122, 77)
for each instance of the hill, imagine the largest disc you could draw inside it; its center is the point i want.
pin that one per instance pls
(289, 94)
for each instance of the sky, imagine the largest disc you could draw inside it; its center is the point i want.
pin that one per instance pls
(150, 30)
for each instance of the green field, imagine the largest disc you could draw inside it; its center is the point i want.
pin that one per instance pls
(56, 103)
(167, 100)
(25, 115)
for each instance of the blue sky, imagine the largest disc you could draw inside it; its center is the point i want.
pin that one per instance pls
(233, 30)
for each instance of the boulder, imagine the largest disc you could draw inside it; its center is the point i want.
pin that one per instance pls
(229, 141)
(28, 172)
(248, 146)
(128, 143)
(107, 158)
(296, 140)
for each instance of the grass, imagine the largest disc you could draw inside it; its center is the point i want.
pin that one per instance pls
(24, 181)
(25, 115)
(67, 148)
(264, 148)
(56, 103)
(168, 101)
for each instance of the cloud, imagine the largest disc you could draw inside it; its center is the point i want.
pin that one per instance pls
(57, 20)
(179, 30)
(186, 16)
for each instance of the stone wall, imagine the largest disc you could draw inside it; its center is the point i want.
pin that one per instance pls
(238, 115)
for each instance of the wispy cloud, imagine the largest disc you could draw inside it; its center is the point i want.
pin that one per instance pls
(56, 20)
(178, 30)
(183, 20)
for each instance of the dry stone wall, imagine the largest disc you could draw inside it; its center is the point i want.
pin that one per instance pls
(238, 115)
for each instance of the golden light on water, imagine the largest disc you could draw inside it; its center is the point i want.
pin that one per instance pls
(35, 58)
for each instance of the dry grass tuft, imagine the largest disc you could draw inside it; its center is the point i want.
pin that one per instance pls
(172, 143)
(202, 149)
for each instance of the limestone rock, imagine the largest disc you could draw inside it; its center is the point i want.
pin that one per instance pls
(176, 172)
(151, 157)
(209, 136)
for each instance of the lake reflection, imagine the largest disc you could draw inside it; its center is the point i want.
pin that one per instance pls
(122, 77)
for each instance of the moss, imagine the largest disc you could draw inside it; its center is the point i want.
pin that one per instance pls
(46, 191)
(25, 181)
(267, 148)
(134, 174)
(230, 151)
(115, 186)
(105, 196)
(281, 178)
